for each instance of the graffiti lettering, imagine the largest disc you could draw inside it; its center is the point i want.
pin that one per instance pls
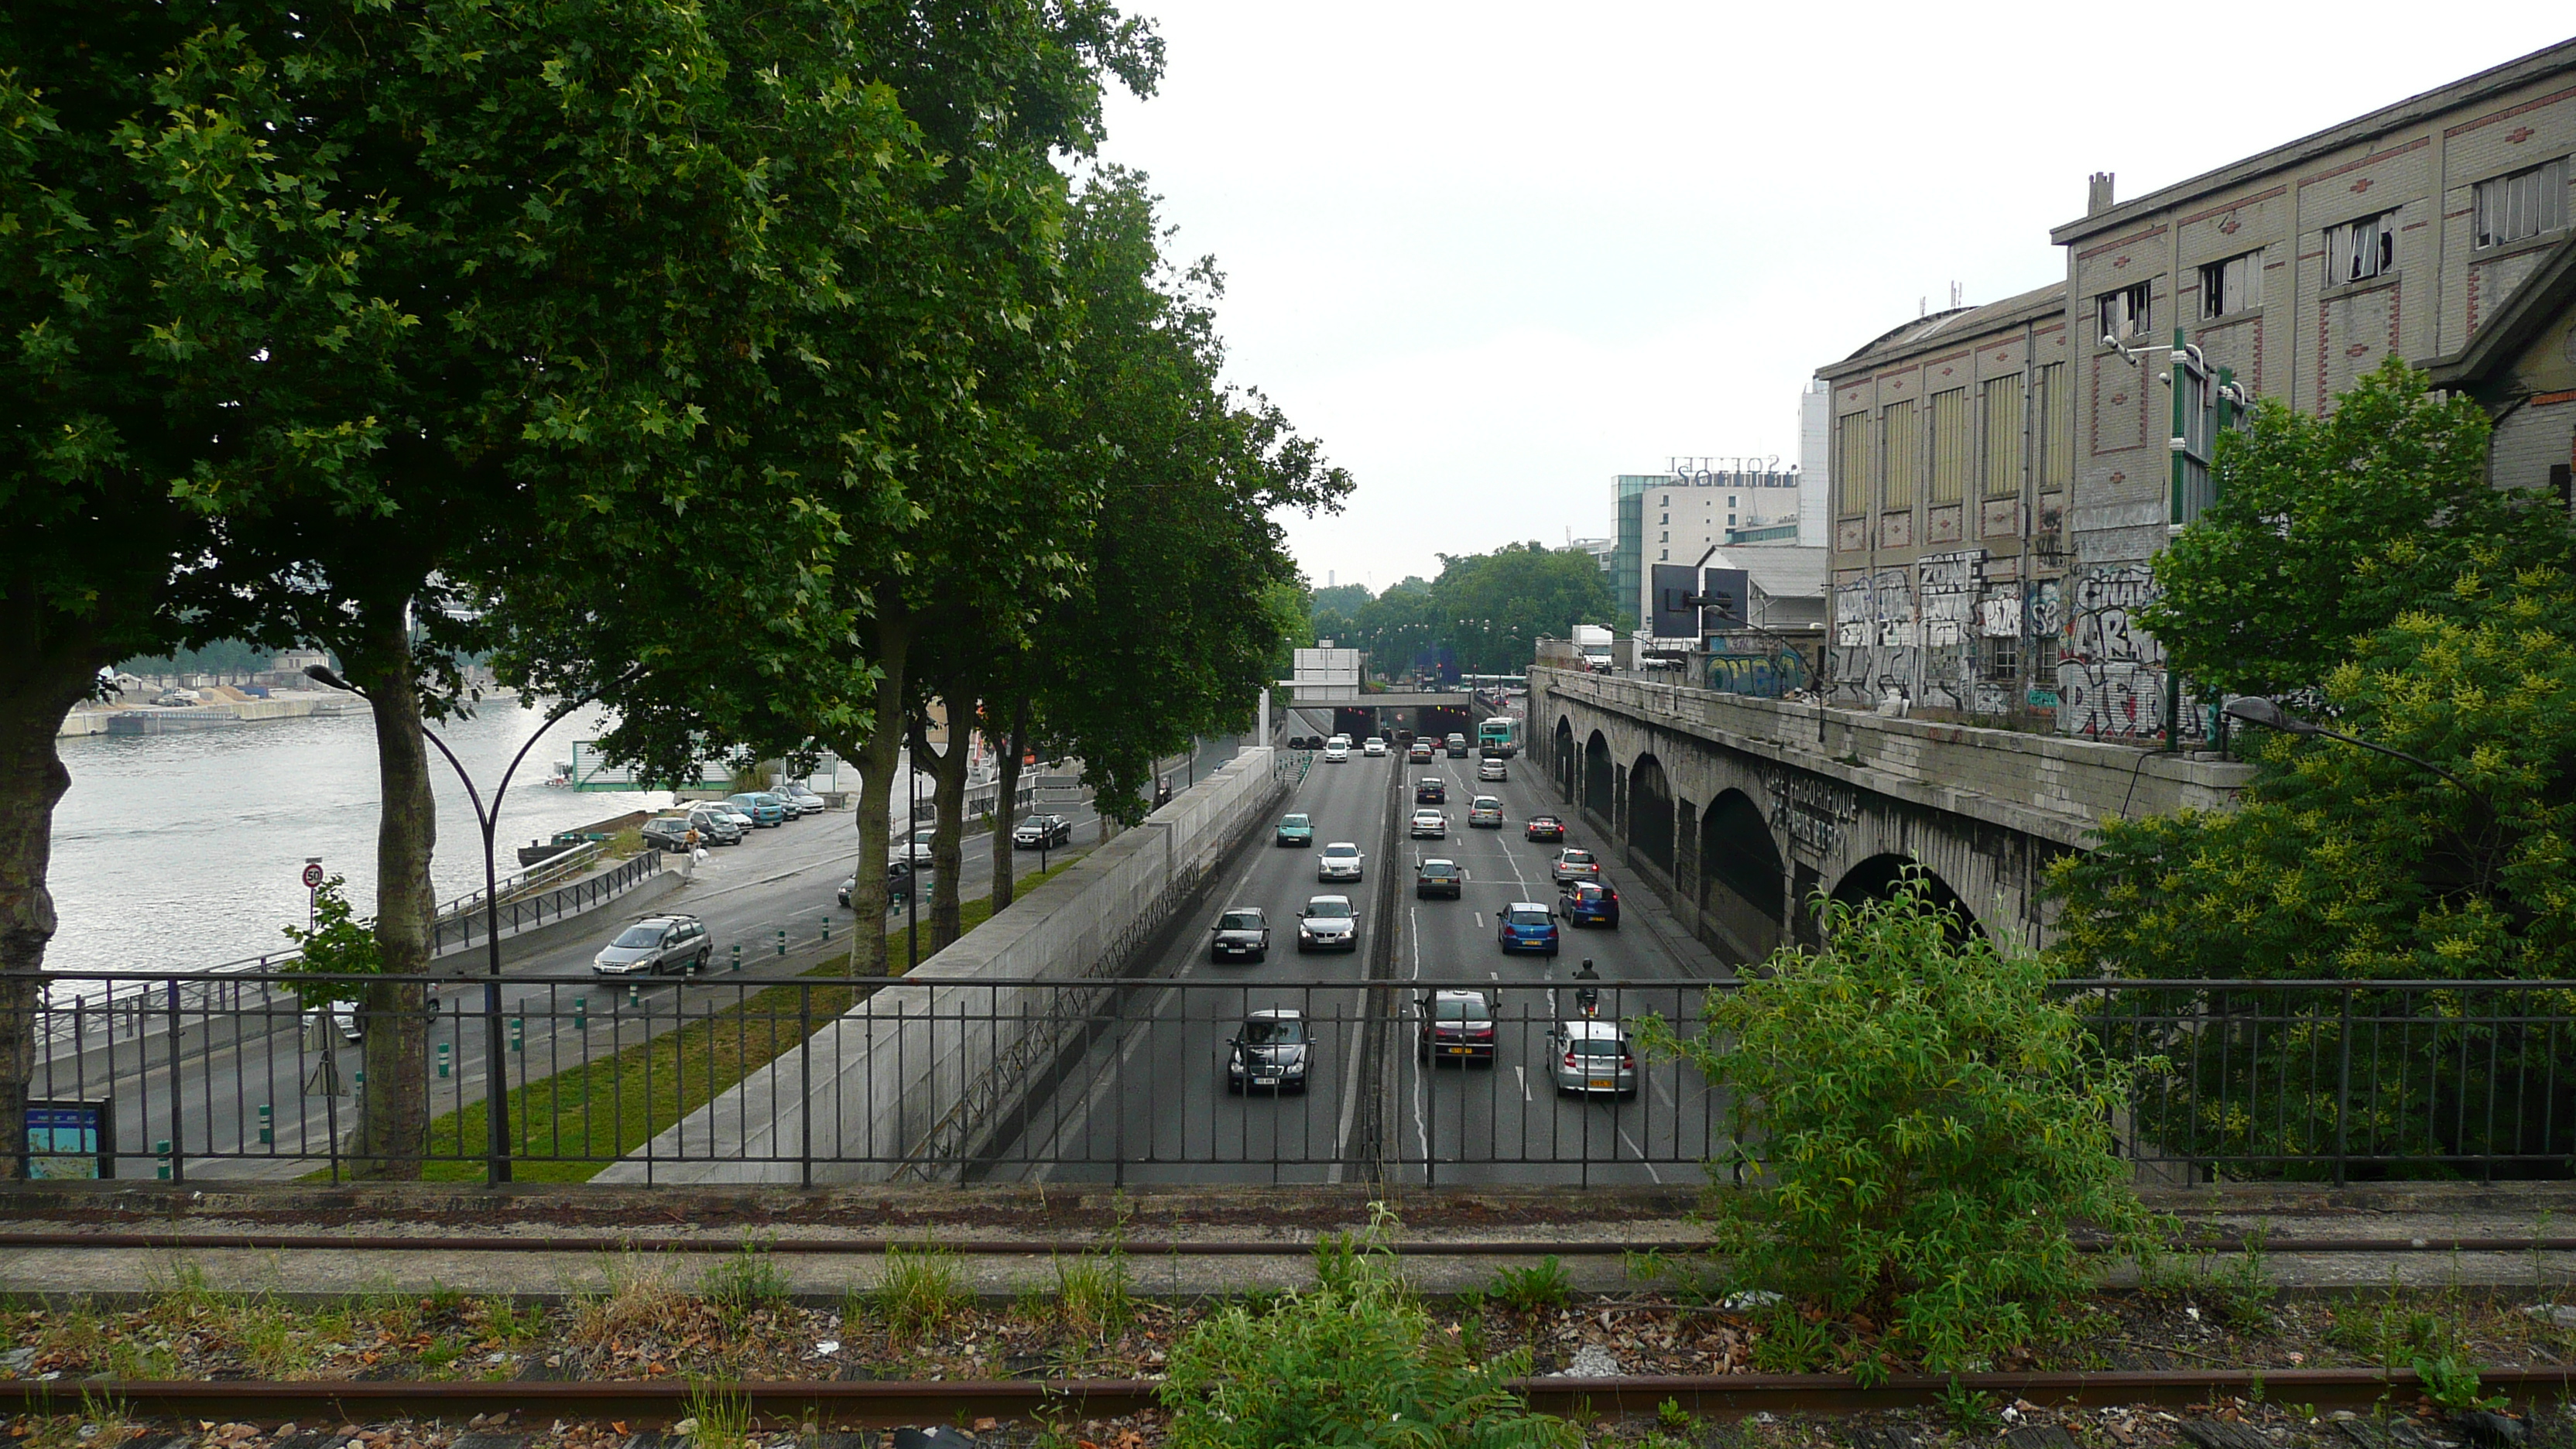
(1808, 810)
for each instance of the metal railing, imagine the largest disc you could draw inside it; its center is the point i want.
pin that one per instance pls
(553, 868)
(527, 910)
(836, 1078)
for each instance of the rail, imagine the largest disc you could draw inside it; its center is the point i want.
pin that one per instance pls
(1173, 1079)
(527, 911)
(553, 868)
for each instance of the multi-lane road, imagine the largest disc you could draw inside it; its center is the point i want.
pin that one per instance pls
(1148, 1100)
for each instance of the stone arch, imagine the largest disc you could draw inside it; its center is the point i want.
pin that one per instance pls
(1600, 791)
(1565, 757)
(1650, 812)
(1741, 885)
(1877, 877)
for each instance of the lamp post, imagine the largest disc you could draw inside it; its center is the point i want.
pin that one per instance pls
(911, 863)
(2254, 709)
(496, 1146)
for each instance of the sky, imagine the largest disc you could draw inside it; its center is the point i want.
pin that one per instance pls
(1491, 256)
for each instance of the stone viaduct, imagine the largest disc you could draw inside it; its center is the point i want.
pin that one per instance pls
(1736, 809)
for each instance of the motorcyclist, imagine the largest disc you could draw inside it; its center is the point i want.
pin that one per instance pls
(1587, 996)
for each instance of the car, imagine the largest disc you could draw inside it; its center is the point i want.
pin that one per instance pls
(1485, 812)
(1585, 1057)
(1544, 827)
(1455, 1026)
(740, 817)
(343, 1016)
(1456, 745)
(803, 798)
(1427, 825)
(1241, 933)
(1340, 861)
(1572, 864)
(1269, 1051)
(1040, 831)
(1420, 753)
(668, 833)
(1430, 790)
(1339, 739)
(715, 827)
(764, 808)
(1295, 830)
(1492, 768)
(1326, 924)
(1589, 903)
(1435, 878)
(915, 851)
(1335, 752)
(1373, 747)
(653, 944)
(1525, 926)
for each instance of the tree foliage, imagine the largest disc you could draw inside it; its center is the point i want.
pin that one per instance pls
(338, 943)
(1921, 1124)
(1484, 614)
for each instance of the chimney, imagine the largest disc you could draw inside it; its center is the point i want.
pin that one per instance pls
(2097, 199)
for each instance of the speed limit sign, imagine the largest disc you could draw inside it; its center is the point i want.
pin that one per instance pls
(313, 875)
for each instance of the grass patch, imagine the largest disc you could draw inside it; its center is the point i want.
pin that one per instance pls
(614, 1104)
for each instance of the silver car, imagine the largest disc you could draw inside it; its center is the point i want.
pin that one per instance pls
(1340, 861)
(1327, 925)
(1585, 1057)
(654, 944)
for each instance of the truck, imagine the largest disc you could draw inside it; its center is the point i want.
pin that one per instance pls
(1592, 641)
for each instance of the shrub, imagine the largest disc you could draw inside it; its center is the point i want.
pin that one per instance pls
(1921, 1125)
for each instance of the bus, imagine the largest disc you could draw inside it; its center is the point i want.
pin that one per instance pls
(1499, 736)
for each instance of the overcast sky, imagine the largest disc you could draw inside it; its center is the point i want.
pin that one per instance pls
(1491, 255)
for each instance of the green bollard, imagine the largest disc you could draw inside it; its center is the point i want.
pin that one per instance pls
(581, 1013)
(634, 994)
(267, 1129)
(518, 1034)
(827, 928)
(442, 1059)
(161, 1149)
(737, 956)
(782, 943)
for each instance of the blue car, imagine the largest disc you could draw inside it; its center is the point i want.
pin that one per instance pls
(763, 808)
(1589, 903)
(1526, 926)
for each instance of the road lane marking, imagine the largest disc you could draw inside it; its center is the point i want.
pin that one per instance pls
(1421, 1079)
(1480, 920)
(1641, 1155)
(1523, 1074)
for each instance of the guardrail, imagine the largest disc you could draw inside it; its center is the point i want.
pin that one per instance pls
(2319, 1081)
(536, 877)
(523, 912)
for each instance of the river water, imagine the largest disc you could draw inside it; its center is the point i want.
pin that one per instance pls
(184, 850)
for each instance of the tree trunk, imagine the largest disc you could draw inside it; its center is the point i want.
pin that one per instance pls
(948, 797)
(42, 676)
(879, 753)
(393, 1119)
(1006, 806)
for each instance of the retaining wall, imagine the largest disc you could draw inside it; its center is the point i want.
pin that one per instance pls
(917, 1077)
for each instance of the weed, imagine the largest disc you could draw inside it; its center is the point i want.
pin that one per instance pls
(1788, 1343)
(1542, 1285)
(638, 1293)
(505, 1322)
(1344, 1260)
(1967, 1410)
(919, 1291)
(1092, 1292)
(716, 1420)
(101, 1423)
(277, 1346)
(744, 1283)
(2245, 1292)
(1671, 1415)
(444, 1350)
(2453, 1384)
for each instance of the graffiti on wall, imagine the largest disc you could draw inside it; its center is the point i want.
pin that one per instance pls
(1809, 811)
(2110, 670)
(1875, 635)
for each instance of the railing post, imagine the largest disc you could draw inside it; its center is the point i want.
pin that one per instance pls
(2343, 1094)
(805, 1072)
(178, 1107)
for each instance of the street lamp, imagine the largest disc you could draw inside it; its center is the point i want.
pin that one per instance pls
(496, 1154)
(2254, 709)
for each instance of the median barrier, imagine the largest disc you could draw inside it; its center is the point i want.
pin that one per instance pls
(920, 1075)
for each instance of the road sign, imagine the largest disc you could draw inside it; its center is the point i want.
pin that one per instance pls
(313, 875)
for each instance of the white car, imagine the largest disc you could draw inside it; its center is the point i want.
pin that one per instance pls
(1571, 864)
(1340, 861)
(1428, 825)
(1373, 747)
(1327, 924)
(1336, 752)
(915, 851)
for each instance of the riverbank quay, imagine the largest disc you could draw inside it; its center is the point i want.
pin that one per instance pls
(219, 713)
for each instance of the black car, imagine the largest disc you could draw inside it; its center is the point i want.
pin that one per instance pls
(1269, 1053)
(1430, 790)
(1438, 878)
(1240, 934)
(1041, 831)
(1455, 747)
(1455, 1025)
(669, 832)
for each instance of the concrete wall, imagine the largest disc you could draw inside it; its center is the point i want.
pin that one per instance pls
(924, 1071)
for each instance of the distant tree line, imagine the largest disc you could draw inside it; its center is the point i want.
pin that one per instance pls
(760, 371)
(1484, 614)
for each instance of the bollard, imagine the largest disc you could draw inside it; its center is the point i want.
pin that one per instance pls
(827, 929)
(634, 994)
(267, 1128)
(782, 943)
(161, 1149)
(581, 1013)
(442, 1059)
(737, 957)
(518, 1036)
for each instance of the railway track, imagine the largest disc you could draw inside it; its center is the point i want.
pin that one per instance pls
(884, 1403)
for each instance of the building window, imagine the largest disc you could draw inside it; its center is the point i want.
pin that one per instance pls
(2361, 249)
(2053, 406)
(1663, 538)
(2123, 314)
(1950, 441)
(2002, 456)
(1900, 452)
(1851, 464)
(1667, 503)
(2002, 661)
(1666, 518)
(2524, 204)
(1663, 555)
(2231, 286)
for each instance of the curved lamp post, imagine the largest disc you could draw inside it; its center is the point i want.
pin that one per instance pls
(2254, 709)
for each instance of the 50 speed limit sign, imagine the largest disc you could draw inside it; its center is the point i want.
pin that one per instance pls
(313, 875)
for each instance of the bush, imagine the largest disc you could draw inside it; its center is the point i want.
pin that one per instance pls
(1356, 1362)
(1922, 1126)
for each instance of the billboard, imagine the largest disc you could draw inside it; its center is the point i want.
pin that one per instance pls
(1725, 591)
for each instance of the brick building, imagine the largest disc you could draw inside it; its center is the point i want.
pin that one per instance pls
(2436, 228)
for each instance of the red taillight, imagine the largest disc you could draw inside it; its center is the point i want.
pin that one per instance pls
(1484, 1031)
(1627, 1063)
(1569, 1059)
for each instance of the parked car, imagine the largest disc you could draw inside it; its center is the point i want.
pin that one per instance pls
(1456, 745)
(1544, 827)
(1340, 861)
(740, 817)
(1438, 878)
(1295, 830)
(1430, 790)
(1485, 812)
(1373, 747)
(1492, 767)
(1335, 752)
(1589, 903)
(1326, 924)
(1269, 1051)
(764, 808)
(719, 827)
(803, 798)
(1591, 1056)
(916, 850)
(1525, 926)
(1241, 933)
(1455, 1026)
(1038, 832)
(1419, 753)
(1427, 825)
(1572, 864)
(654, 944)
(668, 833)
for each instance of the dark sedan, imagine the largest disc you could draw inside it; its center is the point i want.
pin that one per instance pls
(1040, 831)
(1431, 790)
(1544, 827)
(1438, 878)
(1240, 934)
(1269, 1054)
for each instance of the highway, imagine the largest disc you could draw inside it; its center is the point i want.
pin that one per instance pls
(1147, 1101)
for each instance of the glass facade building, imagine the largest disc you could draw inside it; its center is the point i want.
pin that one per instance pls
(1628, 550)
